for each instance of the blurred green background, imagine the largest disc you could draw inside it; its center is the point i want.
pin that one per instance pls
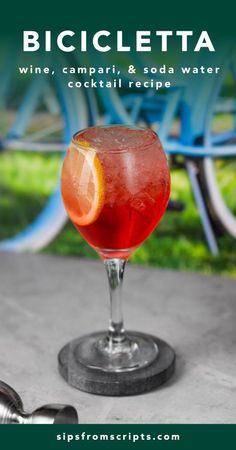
(27, 179)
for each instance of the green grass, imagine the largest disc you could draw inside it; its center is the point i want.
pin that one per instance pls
(26, 181)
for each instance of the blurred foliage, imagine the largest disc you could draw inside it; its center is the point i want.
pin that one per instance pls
(26, 180)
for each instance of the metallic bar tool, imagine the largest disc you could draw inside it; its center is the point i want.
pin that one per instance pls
(12, 410)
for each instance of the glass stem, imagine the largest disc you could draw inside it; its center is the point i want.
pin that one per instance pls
(115, 271)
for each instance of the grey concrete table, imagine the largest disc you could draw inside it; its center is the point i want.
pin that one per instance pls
(45, 301)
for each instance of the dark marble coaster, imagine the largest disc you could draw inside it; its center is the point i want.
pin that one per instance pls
(133, 382)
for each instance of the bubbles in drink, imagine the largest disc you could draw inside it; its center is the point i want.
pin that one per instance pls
(117, 137)
(131, 187)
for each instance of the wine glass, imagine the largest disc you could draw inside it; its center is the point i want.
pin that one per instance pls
(115, 186)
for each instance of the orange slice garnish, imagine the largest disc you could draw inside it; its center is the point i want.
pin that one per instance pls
(82, 184)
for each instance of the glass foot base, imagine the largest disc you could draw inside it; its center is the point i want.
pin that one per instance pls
(97, 351)
(86, 363)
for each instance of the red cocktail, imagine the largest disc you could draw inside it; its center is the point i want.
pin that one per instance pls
(115, 186)
(128, 170)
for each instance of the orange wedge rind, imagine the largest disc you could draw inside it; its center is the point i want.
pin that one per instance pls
(83, 184)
